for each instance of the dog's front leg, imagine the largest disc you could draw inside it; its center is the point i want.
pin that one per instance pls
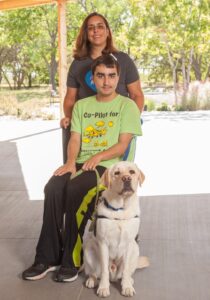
(130, 262)
(103, 289)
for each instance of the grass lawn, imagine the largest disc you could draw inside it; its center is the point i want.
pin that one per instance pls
(26, 103)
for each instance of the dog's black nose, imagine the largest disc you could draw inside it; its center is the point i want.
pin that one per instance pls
(126, 178)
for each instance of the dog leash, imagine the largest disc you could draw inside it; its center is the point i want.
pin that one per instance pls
(79, 172)
(99, 188)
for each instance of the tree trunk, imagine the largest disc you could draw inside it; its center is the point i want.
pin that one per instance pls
(20, 79)
(6, 78)
(185, 85)
(207, 77)
(196, 65)
(184, 72)
(29, 80)
(173, 63)
(175, 85)
(52, 64)
(14, 79)
(189, 66)
(53, 70)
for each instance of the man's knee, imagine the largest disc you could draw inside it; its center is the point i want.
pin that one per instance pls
(56, 184)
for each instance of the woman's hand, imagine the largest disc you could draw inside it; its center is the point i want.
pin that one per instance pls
(91, 163)
(65, 169)
(65, 122)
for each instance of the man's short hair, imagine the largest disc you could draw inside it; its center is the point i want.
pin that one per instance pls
(109, 60)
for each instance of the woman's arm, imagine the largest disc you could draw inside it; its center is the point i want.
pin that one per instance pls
(69, 101)
(116, 150)
(73, 151)
(136, 94)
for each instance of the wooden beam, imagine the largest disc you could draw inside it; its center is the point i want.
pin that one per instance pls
(12, 4)
(62, 44)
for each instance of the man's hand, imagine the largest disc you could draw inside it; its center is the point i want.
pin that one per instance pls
(65, 122)
(65, 169)
(91, 163)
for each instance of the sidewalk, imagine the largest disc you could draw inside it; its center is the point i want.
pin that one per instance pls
(34, 149)
(173, 152)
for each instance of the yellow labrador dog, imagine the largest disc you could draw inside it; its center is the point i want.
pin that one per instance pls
(112, 252)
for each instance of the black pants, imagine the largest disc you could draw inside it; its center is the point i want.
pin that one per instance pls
(65, 139)
(75, 199)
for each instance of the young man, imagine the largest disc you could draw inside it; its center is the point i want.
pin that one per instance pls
(102, 128)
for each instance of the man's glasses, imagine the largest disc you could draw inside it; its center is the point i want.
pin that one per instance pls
(96, 27)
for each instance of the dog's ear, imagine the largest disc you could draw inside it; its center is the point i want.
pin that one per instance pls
(105, 179)
(141, 177)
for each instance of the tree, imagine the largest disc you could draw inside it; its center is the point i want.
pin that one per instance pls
(165, 37)
(31, 35)
(174, 29)
(48, 40)
(17, 36)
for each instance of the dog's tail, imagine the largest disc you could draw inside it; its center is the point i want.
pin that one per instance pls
(143, 262)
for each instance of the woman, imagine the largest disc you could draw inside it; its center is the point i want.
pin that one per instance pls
(95, 39)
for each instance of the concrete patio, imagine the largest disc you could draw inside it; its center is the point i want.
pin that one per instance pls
(175, 206)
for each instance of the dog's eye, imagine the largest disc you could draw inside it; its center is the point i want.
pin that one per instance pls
(117, 173)
(132, 172)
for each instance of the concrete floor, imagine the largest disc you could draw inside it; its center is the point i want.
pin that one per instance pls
(175, 235)
(175, 225)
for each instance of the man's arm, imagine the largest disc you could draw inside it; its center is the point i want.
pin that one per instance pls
(69, 101)
(73, 151)
(116, 150)
(136, 94)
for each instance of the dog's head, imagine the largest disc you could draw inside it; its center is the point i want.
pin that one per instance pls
(123, 178)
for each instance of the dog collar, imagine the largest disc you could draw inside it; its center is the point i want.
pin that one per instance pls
(109, 206)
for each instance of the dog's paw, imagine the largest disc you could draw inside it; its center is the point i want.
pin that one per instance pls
(91, 282)
(128, 291)
(103, 292)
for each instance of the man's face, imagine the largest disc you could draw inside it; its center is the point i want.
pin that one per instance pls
(106, 80)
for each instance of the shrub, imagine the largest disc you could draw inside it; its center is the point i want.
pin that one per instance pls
(163, 107)
(197, 96)
(26, 103)
(149, 105)
(8, 105)
(178, 107)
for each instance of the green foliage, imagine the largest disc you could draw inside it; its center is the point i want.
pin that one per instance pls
(161, 36)
(178, 107)
(163, 107)
(31, 38)
(119, 14)
(173, 28)
(149, 105)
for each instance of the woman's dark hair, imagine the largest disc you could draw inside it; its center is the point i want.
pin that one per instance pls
(109, 60)
(83, 47)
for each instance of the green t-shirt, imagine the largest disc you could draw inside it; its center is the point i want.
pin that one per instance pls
(101, 123)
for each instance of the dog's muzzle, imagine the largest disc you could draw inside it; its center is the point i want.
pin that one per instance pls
(126, 184)
(126, 181)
